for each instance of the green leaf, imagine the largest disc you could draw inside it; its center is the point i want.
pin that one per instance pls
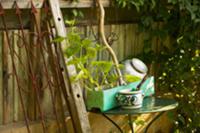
(131, 78)
(70, 22)
(137, 6)
(173, 1)
(75, 12)
(153, 4)
(123, 4)
(121, 66)
(112, 78)
(99, 47)
(177, 131)
(91, 52)
(59, 39)
(139, 122)
(86, 43)
(181, 119)
(80, 75)
(103, 65)
(81, 14)
(72, 50)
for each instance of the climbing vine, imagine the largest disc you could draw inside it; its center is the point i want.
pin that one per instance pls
(179, 62)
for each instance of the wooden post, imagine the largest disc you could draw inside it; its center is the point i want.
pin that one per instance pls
(5, 81)
(75, 99)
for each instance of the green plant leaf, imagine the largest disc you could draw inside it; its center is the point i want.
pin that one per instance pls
(59, 39)
(86, 43)
(80, 75)
(139, 122)
(105, 66)
(75, 12)
(70, 22)
(131, 78)
(91, 52)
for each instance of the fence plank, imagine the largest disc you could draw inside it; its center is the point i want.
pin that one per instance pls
(105, 55)
(9, 111)
(15, 89)
(5, 80)
(1, 76)
(129, 40)
(121, 42)
(136, 40)
(114, 45)
(118, 46)
(22, 73)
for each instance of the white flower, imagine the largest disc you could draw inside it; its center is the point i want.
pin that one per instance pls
(182, 51)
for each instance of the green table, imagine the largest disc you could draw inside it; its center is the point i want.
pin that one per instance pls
(150, 105)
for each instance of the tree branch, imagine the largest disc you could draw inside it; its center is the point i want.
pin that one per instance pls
(108, 47)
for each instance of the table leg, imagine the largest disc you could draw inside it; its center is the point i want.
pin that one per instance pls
(130, 123)
(121, 131)
(153, 121)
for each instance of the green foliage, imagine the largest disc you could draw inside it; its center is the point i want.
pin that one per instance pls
(131, 78)
(179, 63)
(139, 122)
(73, 15)
(180, 75)
(82, 53)
(134, 3)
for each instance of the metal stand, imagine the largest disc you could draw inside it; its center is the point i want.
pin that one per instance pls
(130, 123)
(154, 119)
(117, 126)
(150, 105)
(112, 122)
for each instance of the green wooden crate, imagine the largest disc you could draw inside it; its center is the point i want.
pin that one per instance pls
(105, 99)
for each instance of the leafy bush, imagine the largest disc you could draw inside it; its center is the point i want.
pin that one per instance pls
(180, 75)
(179, 63)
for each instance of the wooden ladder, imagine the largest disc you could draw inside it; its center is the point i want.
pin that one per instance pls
(75, 100)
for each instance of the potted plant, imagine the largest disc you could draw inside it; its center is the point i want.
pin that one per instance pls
(96, 76)
(109, 101)
(101, 79)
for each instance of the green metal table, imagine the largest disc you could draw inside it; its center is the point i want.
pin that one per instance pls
(150, 105)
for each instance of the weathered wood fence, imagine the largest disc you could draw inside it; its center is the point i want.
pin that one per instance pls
(128, 43)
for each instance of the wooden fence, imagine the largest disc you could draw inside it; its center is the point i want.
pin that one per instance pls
(128, 43)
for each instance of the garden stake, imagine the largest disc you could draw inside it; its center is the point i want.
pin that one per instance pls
(14, 69)
(32, 76)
